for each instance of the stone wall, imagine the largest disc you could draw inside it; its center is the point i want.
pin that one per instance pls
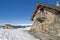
(8, 26)
(49, 29)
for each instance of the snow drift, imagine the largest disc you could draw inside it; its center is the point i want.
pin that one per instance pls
(15, 34)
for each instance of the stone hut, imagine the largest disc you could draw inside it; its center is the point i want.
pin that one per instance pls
(46, 22)
(8, 26)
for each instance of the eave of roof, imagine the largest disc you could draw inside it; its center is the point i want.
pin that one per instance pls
(46, 6)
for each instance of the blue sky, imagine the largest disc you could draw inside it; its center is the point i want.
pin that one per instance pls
(19, 11)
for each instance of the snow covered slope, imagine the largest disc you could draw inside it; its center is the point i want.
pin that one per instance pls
(15, 34)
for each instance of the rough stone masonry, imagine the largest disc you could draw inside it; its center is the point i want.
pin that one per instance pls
(47, 26)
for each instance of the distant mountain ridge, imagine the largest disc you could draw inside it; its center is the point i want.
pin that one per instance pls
(19, 26)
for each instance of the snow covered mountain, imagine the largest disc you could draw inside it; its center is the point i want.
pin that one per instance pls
(22, 26)
(18, 26)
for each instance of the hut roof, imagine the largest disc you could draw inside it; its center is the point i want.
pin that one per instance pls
(45, 6)
(8, 25)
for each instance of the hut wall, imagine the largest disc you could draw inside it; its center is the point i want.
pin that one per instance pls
(50, 17)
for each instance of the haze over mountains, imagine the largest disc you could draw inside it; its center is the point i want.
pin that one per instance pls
(18, 25)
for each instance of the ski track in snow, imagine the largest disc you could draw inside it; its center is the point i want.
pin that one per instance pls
(15, 34)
